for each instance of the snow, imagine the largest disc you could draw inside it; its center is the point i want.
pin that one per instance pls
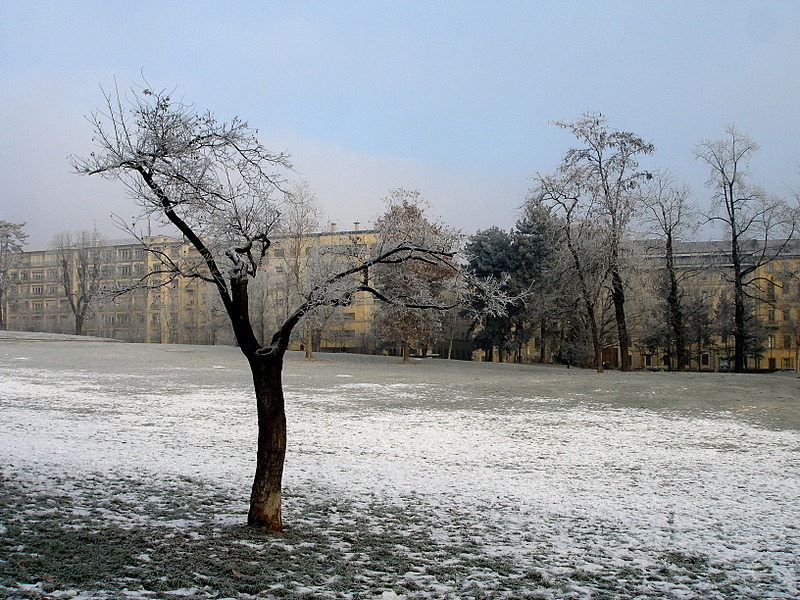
(561, 483)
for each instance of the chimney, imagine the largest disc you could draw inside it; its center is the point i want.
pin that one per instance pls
(357, 226)
(333, 227)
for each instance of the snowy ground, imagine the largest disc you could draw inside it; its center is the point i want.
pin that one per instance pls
(126, 471)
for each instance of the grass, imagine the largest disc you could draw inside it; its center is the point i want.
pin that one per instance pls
(127, 475)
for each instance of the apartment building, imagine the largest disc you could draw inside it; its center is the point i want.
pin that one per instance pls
(773, 288)
(179, 310)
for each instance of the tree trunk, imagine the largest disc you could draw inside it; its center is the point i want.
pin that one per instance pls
(265, 500)
(618, 296)
(309, 338)
(674, 307)
(738, 327)
(542, 342)
(406, 352)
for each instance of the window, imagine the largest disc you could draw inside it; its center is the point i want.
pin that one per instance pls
(124, 253)
(771, 316)
(38, 306)
(37, 275)
(36, 290)
(125, 271)
(787, 363)
(278, 252)
(787, 341)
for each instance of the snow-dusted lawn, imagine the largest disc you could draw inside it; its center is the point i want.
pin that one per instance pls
(126, 473)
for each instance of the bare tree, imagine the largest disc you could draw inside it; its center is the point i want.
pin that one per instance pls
(759, 226)
(217, 184)
(301, 217)
(12, 239)
(81, 270)
(421, 289)
(584, 258)
(670, 215)
(608, 161)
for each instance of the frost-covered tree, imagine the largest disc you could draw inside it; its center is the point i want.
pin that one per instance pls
(671, 216)
(584, 247)
(424, 288)
(81, 265)
(12, 240)
(301, 217)
(222, 190)
(759, 226)
(607, 161)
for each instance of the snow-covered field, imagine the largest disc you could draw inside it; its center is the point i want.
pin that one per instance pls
(126, 472)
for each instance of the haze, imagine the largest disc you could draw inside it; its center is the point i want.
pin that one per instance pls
(454, 99)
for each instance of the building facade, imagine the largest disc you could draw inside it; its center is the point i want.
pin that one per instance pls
(188, 310)
(163, 309)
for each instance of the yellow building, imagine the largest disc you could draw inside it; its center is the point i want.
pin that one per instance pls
(779, 312)
(774, 290)
(179, 310)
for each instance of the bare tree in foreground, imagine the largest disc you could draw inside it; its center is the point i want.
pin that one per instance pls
(12, 239)
(216, 183)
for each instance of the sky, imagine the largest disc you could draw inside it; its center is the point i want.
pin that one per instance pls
(454, 99)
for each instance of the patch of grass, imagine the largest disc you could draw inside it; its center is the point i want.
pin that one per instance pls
(106, 534)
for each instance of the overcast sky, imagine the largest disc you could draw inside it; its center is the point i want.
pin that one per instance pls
(453, 99)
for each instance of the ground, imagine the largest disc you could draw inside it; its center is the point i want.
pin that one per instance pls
(126, 472)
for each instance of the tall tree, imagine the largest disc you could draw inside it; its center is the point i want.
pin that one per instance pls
(609, 164)
(221, 189)
(583, 259)
(759, 226)
(81, 270)
(301, 216)
(12, 240)
(670, 216)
